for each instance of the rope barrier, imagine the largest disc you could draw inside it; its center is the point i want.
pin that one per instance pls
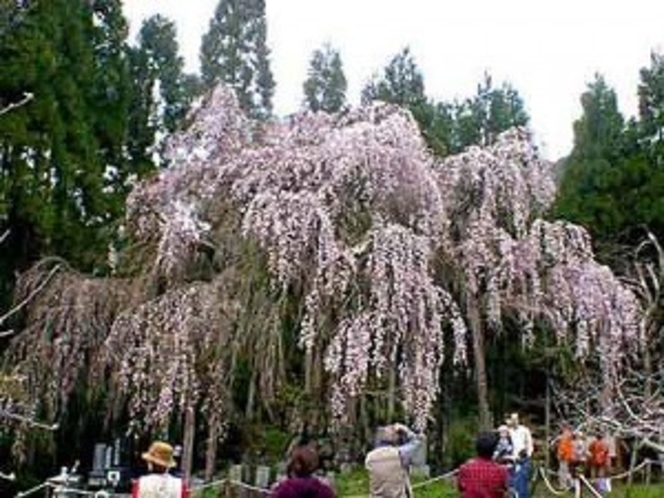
(73, 491)
(249, 486)
(212, 484)
(631, 471)
(32, 491)
(592, 489)
(542, 472)
(434, 479)
(8, 477)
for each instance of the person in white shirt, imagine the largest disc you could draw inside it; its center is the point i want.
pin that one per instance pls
(159, 483)
(523, 447)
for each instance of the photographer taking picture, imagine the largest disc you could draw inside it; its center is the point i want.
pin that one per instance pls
(395, 447)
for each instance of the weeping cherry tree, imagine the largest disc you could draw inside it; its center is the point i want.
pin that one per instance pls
(343, 229)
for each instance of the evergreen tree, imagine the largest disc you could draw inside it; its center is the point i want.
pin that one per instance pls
(325, 86)
(479, 120)
(112, 97)
(161, 91)
(234, 51)
(597, 134)
(591, 181)
(651, 106)
(53, 188)
(401, 83)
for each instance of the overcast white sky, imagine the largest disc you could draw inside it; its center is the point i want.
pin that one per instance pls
(548, 50)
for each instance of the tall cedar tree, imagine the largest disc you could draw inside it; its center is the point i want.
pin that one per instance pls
(613, 180)
(448, 127)
(234, 51)
(402, 83)
(325, 86)
(111, 100)
(52, 168)
(480, 119)
(162, 92)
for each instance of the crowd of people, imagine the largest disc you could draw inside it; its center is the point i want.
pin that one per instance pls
(501, 467)
(579, 454)
(502, 463)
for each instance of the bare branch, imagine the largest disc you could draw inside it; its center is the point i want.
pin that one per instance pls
(29, 421)
(30, 297)
(27, 97)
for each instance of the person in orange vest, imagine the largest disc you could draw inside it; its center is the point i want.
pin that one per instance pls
(565, 454)
(598, 456)
(598, 460)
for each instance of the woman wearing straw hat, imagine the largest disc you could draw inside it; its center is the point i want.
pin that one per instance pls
(159, 483)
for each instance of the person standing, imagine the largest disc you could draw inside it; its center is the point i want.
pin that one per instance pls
(481, 477)
(565, 454)
(504, 452)
(580, 453)
(301, 481)
(598, 460)
(395, 447)
(522, 441)
(159, 483)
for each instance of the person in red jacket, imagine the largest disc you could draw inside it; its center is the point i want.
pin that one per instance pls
(159, 483)
(481, 477)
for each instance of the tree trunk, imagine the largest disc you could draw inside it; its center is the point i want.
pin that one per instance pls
(188, 443)
(211, 449)
(474, 319)
(547, 421)
(391, 393)
(251, 396)
(308, 371)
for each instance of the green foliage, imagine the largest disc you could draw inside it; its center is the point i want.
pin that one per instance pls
(613, 182)
(164, 66)
(401, 83)
(651, 100)
(325, 86)
(640, 491)
(161, 91)
(448, 127)
(461, 436)
(234, 51)
(479, 120)
(52, 170)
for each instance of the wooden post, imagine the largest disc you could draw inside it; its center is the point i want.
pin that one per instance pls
(236, 478)
(227, 488)
(632, 463)
(188, 443)
(262, 477)
(648, 472)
